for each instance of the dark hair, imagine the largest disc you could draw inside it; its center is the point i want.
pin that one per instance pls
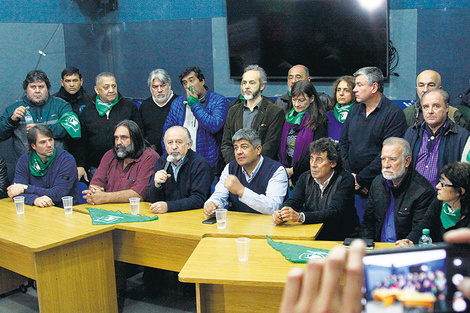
(316, 110)
(351, 81)
(188, 70)
(459, 175)
(33, 132)
(71, 70)
(331, 147)
(35, 76)
(136, 136)
(445, 95)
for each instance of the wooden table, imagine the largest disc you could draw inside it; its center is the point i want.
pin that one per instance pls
(70, 259)
(223, 284)
(168, 242)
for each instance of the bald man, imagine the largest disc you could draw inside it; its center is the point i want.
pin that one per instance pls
(429, 80)
(296, 73)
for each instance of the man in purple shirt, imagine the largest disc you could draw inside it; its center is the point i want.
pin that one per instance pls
(437, 141)
(125, 170)
(398, 198)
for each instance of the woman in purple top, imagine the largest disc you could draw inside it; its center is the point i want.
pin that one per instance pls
(344, 98)
(306, 121)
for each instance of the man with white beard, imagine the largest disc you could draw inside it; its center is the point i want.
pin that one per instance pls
(398, 198)
(182, 179)
(254, 111)
(155, 108)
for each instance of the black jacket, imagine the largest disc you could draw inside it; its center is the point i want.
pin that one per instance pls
(98, 131)
(4, 182)
(412, 198)
(432, 221)
(78, 101)
(268, 123)
(335, 208)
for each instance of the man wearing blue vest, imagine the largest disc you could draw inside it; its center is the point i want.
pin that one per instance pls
(250, 183)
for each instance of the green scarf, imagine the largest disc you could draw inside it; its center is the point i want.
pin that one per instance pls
(102, 107)
(341, 112)
(295, 119)
(448, 217)
(36, 166)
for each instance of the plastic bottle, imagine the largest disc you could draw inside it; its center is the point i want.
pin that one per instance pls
(28, 118)
(425, 240)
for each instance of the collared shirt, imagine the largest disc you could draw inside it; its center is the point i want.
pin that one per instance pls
(136, 176)
(176, 168)
(427, 160)
(323, 186)
(249, 115)
(265, 204)
(389, 233)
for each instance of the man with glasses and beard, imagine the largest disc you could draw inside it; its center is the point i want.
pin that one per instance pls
(256, 112)
(182, 179)
(125, 170)
(37, 106)
(399, 198)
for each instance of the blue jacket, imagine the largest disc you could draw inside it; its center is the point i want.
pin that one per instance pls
(450, 148)
(48, 115)
(211, 118)
(60, 180)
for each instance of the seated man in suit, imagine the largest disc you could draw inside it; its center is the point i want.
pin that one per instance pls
(46, 173)
(399, 198)
(182, 179)
(325, 194)
(251, 183)
(125, 170)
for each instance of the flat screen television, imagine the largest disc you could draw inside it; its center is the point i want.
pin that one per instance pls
(331, 37)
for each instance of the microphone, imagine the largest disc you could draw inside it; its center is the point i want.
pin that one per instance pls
(169, 159)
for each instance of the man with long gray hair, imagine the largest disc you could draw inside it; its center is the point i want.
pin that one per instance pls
(155, 108)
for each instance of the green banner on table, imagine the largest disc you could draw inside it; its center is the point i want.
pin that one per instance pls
(297, 253)
(105, 217)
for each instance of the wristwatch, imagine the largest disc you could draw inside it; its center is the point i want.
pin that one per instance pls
(302, 217)
(25, 187)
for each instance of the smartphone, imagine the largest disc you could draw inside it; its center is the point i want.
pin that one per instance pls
(421, 279)
(369, 243)
(210, 220)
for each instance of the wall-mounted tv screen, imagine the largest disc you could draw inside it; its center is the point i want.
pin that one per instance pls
(331, 37)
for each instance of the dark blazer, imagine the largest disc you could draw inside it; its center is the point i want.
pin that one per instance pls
(412, 198)
(268, 123)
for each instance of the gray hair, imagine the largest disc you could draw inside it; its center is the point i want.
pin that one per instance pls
(159, 74)
(247, 134)
(404, 144)
(372, 75)
(103, 74)
(263, 78)
(445, 95)
(188, 134)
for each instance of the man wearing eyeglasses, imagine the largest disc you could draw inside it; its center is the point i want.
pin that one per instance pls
(437, 141)
(398, 198)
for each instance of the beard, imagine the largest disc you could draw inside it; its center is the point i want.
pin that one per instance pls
(176, 155)
(252, 95)
(123, 152)
(392, 175)
(37, 102)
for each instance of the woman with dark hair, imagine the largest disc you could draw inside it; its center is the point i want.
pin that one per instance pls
(305, 122)
(344, 98)
(450, 210)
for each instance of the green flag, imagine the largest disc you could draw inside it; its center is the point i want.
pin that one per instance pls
(296, 253)
(105, 217)
(70, 122)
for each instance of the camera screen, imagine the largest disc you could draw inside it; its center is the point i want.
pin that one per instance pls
(414, 281)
